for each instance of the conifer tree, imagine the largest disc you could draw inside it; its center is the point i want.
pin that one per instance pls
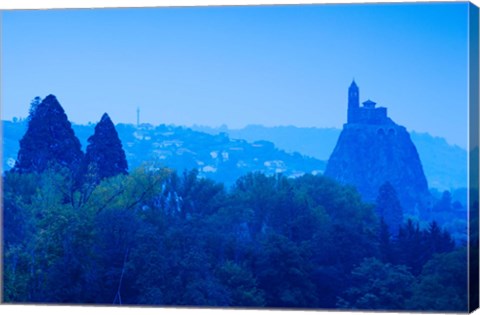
(105, 156)
(49, 139)
(389, 208)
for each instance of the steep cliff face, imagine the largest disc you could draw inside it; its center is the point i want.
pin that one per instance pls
(368, 155)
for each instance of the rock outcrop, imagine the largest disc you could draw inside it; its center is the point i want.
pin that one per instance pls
(371, 152)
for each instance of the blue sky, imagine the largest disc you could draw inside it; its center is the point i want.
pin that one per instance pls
(270, 65)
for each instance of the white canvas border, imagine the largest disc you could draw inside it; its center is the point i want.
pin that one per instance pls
(97, 310)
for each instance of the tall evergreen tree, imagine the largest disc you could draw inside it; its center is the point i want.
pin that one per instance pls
(49, 139)
(105, 156)
(389, 208)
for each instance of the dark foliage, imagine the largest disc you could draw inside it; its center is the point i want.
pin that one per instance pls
(105, 156)
(442, 285)
(414, 247)
(154, 237)
(379, 286)
(49, 139)
(389, 207)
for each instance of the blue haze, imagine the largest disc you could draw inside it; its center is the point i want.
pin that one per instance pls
(269, 65)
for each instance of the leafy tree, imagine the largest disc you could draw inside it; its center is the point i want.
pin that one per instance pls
(46, 261)
(227, 235)
(351, 224)
(48, 140)
(120, 205)
(378, 286)
(115, 236)
(443, 283)
(199, 196)
(255, 191)
(18, 234)
(16, 276)
(105, 156)
(150, 264)
(283, 271)
(242, 286)
(18, 190)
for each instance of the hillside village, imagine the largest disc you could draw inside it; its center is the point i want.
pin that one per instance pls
(276, 148)
(216, 157)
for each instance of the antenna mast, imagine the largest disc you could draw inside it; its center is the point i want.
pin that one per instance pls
(138, 117)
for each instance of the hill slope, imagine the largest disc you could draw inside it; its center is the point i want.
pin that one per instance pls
(215, 156)
(445, 165)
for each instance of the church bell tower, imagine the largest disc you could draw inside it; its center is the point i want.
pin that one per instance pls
(353, 102)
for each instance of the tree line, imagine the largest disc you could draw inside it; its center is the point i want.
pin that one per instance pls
(155, 237)
(77, 232)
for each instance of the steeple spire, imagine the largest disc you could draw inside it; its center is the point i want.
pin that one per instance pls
(353, 101)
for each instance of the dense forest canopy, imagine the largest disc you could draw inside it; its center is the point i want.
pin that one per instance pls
(156, 236)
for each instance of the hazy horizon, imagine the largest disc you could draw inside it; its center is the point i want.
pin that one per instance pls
(238, 66)
(219, 127)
